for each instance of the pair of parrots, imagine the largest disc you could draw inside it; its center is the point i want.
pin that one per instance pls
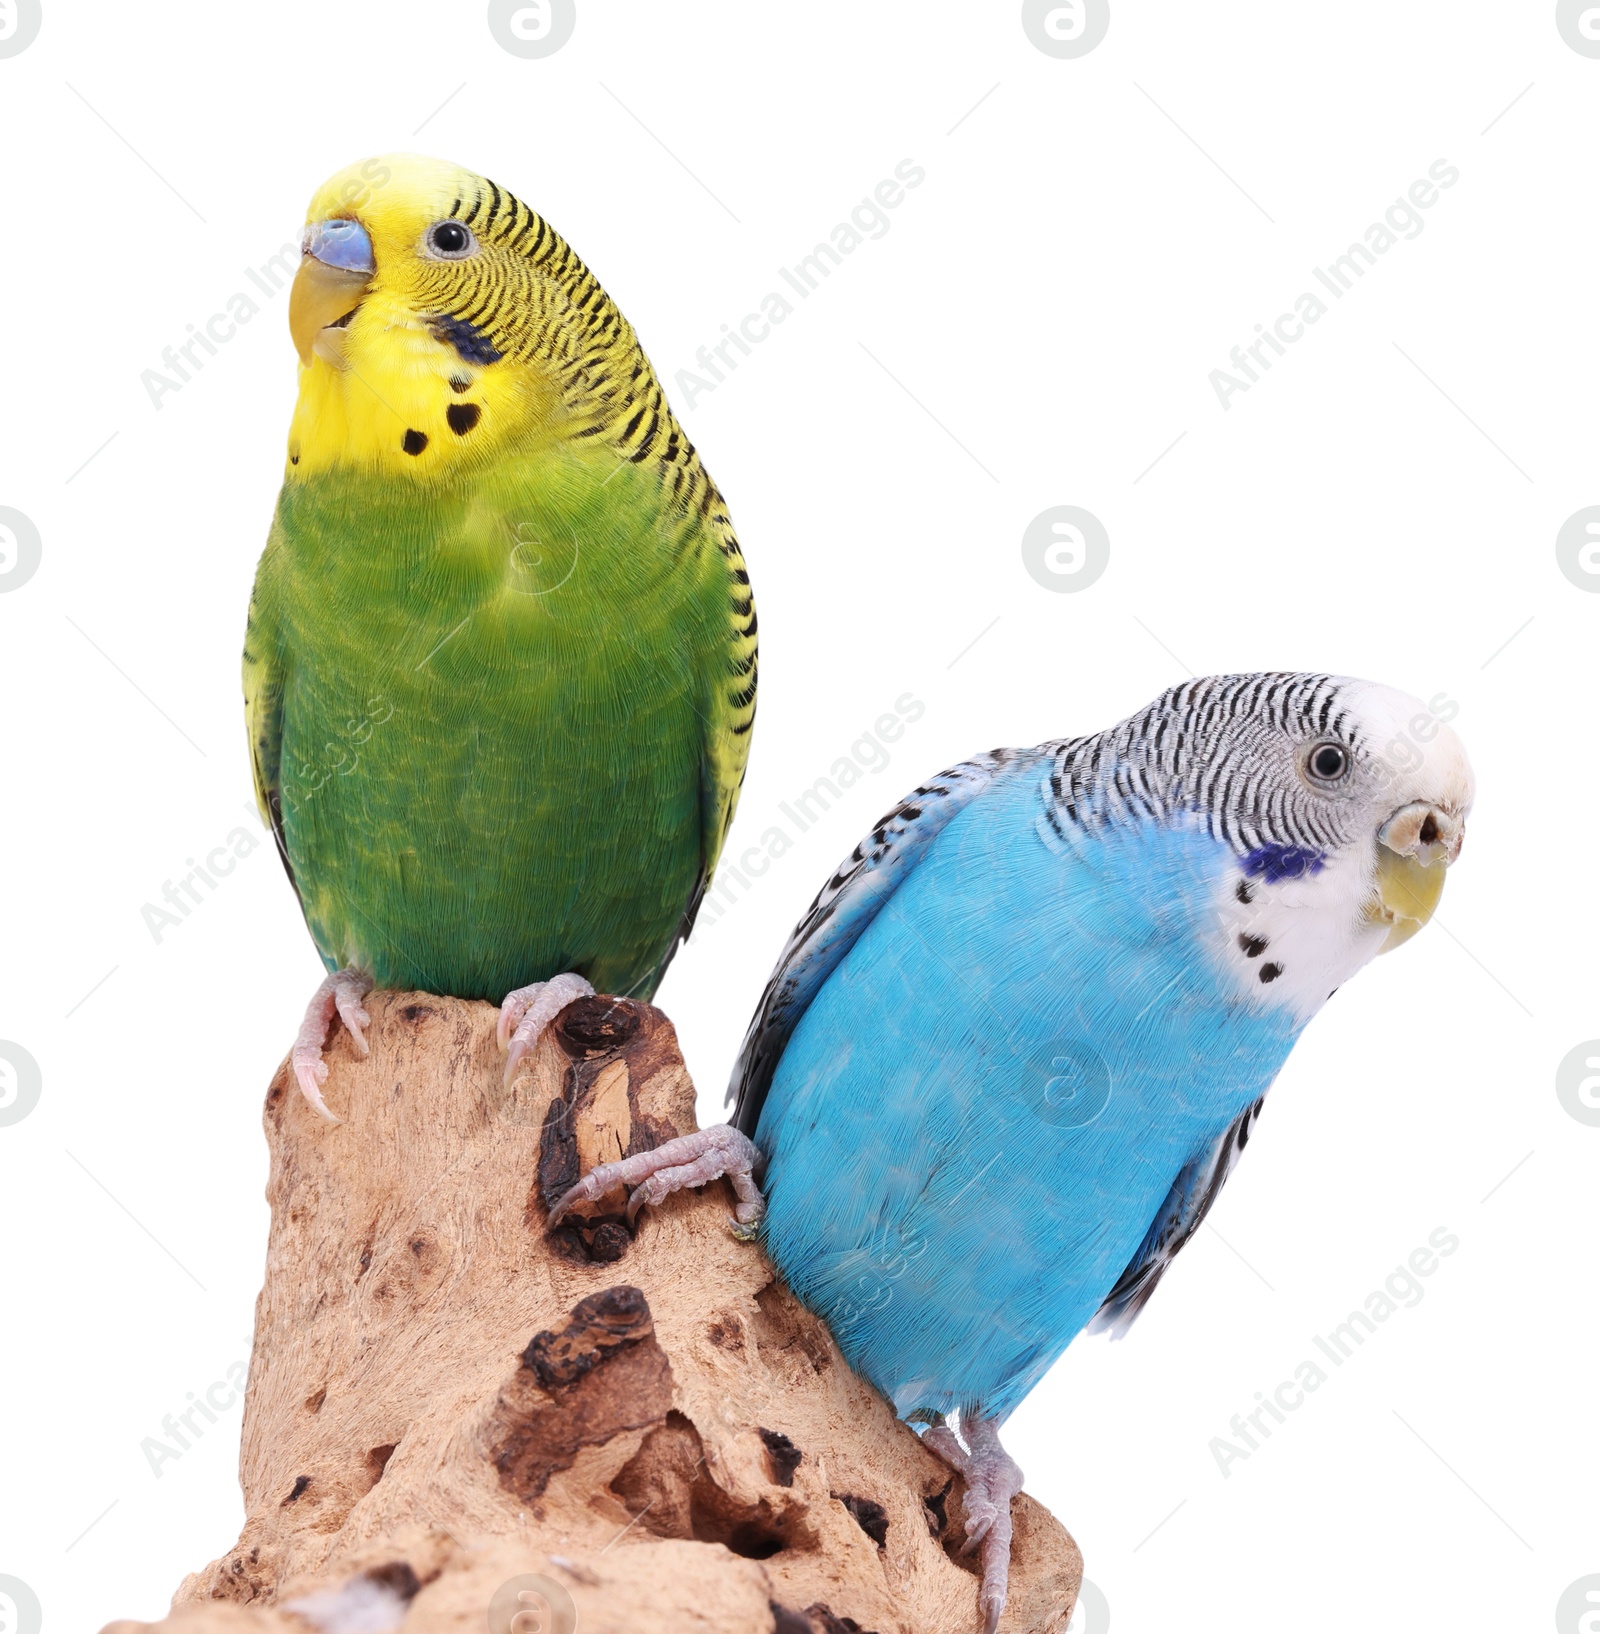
(500, 678)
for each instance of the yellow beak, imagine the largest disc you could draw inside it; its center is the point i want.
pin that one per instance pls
(336, 270)
(1415, 848)
(1408, 892)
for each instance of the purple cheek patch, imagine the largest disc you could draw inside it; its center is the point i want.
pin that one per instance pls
(1279, 862)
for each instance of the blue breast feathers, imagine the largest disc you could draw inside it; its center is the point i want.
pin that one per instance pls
(985, 1107)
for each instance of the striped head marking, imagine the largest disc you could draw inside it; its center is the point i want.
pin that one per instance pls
(439, 321)
(1341, 804)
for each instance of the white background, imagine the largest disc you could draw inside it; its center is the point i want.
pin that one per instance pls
(1035, 329)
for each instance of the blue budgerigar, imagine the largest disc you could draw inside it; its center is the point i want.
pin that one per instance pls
(1017, 1044)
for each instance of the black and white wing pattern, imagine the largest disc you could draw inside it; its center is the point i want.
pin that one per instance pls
(1194, 1191)
(844, 907)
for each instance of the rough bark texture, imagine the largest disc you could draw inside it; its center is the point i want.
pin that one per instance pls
(457, 1420)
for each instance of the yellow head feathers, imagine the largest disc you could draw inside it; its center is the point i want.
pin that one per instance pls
(440, 321)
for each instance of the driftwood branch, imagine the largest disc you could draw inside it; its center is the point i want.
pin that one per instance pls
(454, 1415)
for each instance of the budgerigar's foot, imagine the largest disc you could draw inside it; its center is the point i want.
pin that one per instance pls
(690, 1160)
(993, 1480)
(340, 994)
(526, 1012)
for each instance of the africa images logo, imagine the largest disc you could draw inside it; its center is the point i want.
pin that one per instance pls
(19, 24)
(20, 548)
(19, 1605)
(532, 28)
(531, 1604)
(20, 1085)
(1579, 25)
(1065, 549)
(1066, 28)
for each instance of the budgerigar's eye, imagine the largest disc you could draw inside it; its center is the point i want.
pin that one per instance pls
(451, 240)
(1328, 762)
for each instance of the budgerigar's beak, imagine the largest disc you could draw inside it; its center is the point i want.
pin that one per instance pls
(1415, 847)
(336, 267)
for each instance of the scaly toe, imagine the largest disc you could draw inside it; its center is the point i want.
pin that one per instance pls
(980, 1522)
(655, 1189)
(526, 1012)
(940, 1439)
(996, 1578)
(680, 1164)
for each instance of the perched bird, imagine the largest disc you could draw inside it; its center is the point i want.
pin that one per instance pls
(500, 669)
(1014, 1049)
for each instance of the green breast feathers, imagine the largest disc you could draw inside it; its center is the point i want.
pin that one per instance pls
(500, 669)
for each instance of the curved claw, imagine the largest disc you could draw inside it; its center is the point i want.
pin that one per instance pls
(596, 1183)
(979, 1526)
(527, 1011)
(311, 1072)
(352, 1012)
(996, 1574)
(512, 1009)
(690, 1160)
(515, 1054)
(992, 1481)
(339, 994)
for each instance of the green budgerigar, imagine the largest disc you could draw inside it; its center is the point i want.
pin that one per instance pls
(500, 671)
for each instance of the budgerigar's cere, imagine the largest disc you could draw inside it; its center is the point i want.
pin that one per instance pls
(500, 670)
(1016, 1046)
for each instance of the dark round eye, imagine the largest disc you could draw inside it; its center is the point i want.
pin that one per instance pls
(451, 240)
(1329, 762)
